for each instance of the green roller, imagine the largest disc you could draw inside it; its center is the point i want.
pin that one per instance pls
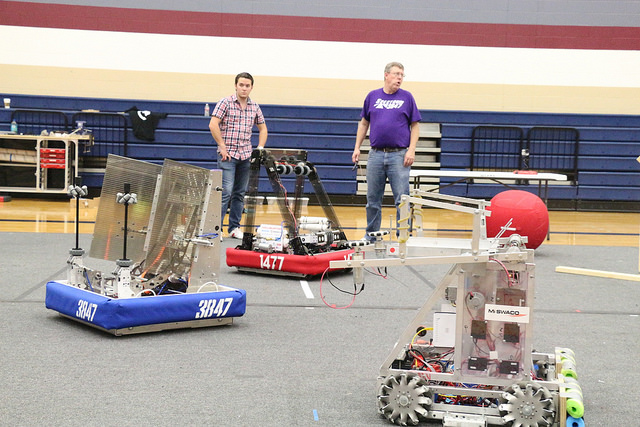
(572, 389)
(575, 408)
(566, 354)
(571, 384)
(569, 369)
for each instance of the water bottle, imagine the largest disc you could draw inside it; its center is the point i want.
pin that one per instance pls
(206, 110)
(14, 126)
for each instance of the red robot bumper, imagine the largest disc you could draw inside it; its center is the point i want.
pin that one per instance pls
(281, 263)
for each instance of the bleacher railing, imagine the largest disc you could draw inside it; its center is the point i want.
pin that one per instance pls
(109, 130)
(109, 135)
(545, 149)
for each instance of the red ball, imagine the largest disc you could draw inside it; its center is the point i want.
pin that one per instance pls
(529, 214)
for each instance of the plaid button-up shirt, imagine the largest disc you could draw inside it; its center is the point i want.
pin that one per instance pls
(236, 125)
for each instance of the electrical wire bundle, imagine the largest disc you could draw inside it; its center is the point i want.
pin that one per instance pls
(380, 272)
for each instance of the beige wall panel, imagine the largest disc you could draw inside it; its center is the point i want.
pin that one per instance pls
(93, 83)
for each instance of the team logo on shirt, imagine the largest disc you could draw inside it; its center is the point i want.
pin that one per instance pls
(389, 104)
(144, 114)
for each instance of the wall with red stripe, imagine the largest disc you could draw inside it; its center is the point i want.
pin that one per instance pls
(560, 56)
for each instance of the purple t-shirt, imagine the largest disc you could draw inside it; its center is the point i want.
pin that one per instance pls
(389, 117)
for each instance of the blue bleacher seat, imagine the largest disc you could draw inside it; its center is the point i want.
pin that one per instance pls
(608, 144)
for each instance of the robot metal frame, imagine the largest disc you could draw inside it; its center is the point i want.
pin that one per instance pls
(466, 359)
(300, 246)
(166, 220)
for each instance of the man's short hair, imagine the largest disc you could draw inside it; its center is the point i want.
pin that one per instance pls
(390, 65)
(244, 76)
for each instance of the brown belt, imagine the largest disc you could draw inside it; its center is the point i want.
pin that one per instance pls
(389, 149)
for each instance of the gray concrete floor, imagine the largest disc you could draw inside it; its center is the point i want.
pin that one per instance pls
(290, 360)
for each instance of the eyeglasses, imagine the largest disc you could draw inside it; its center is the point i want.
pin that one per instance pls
(398, 74)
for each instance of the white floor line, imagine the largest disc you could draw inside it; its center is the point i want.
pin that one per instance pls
(306, 289)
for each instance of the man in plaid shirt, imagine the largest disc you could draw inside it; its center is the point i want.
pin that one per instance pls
(231, 125)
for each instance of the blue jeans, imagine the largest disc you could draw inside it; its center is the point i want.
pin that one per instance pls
(381, 166)
(235, 179)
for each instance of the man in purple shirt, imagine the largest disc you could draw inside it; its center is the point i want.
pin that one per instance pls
(231, 125)
(392, 116)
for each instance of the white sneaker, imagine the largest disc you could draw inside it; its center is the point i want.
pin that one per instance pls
(236, 233)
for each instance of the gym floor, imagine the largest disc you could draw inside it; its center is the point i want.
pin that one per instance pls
(292, 360)
(566, 227)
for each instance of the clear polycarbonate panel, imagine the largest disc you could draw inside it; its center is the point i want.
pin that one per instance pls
(109, 231)
(182, 194)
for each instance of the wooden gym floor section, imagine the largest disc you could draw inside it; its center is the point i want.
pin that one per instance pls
(567, 227)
